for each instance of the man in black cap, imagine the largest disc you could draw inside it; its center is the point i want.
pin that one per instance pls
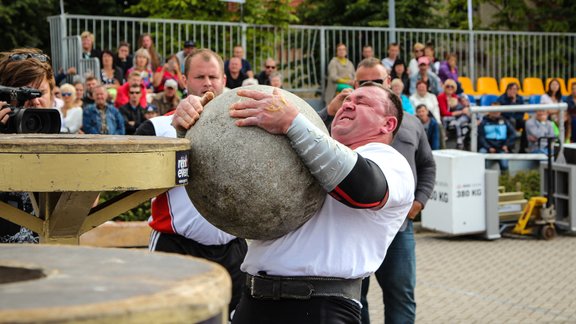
(189, 48)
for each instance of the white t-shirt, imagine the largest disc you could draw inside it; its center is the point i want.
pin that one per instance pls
(339, 241)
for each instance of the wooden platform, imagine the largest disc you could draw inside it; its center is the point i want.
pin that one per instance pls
(97, 285)
(65, 174)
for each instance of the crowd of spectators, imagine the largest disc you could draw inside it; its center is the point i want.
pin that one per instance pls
(133, 86)
(427, 86)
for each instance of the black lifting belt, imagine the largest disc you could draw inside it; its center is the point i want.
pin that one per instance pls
(275, 287)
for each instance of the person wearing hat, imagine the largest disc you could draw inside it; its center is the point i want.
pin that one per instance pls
(424, 74)
(168, 99)
(151, 112)
(189, 48)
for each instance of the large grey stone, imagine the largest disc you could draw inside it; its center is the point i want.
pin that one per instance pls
(246, 181)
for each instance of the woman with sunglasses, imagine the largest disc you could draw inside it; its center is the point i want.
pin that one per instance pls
(70, 113)
(418, 51)
(19, 68)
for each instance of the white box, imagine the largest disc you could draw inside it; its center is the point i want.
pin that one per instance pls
(457, 204)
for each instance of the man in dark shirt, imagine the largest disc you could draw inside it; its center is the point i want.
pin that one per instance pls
(235, 76)
(269, 67)
(132, 111)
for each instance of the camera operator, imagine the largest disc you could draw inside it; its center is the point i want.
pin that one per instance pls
(18, 68)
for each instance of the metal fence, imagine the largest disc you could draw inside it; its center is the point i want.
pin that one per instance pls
(303, 52)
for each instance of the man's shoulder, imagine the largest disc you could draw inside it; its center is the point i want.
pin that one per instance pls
(410, 131)
(158, 96)
(111, 107)
(411, 122)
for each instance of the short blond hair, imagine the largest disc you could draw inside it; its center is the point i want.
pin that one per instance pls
(418, 46)
(397, 82)
(142, 52)
(450, 82)
(88, 34)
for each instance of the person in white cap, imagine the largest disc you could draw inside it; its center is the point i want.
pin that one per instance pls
(168, 99)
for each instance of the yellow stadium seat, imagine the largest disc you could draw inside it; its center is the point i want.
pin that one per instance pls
(563, 89)
(533, 86)
(505, 81)
(467, 86)
(487, 85)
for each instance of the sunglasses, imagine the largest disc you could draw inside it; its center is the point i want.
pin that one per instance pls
(66, 94)
(24, 56)
(379, 81)
(449, 86)
(134, 92)
(270, 67)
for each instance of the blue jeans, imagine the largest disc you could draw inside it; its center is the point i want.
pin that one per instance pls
(397, 278)
(503, 163)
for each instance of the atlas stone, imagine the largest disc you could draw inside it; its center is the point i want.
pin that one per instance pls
(246, 181)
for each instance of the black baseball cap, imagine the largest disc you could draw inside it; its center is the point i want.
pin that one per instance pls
(189, 43)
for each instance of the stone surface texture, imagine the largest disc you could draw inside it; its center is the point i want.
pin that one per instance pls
(246, 181)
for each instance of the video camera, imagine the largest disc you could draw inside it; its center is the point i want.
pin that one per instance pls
(27, 120)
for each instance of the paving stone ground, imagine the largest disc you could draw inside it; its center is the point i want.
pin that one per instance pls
(472, 280)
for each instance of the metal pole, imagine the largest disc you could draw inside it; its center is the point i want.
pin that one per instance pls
(392, 20)
(323, 61)
(64, 49)
(471, 56)
(474, 132)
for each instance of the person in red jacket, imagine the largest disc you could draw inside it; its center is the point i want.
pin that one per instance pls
(123, 93)
(455, 111)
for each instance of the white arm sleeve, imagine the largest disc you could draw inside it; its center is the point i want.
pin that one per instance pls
(328, 160)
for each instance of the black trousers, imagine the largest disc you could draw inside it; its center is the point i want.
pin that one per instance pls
(316, 310)
(230, 256)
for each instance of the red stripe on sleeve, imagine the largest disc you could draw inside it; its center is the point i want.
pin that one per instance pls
(339, 194)
(161, 220)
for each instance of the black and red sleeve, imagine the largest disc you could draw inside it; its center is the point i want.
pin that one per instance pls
(365, 187)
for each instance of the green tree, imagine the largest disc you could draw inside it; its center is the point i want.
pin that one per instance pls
(534, 15)
(457, 14)
(274, 12)
(23, 23)
(409, 13)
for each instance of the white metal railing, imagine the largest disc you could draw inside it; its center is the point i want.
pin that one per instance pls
(475, 110)
(303, 52)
